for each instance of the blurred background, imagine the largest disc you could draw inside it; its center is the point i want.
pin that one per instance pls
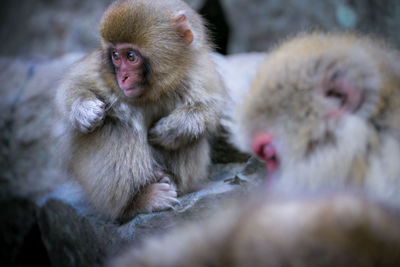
(51, 28)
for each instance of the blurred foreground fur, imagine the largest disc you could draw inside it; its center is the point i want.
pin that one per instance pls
(335, 230)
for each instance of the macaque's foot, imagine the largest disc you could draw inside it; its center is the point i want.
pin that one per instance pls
(87, 115)
(160, 174)
(161, 195)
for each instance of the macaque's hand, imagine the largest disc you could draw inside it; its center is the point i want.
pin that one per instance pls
(87, 115)
(177, 130)
(166, 133)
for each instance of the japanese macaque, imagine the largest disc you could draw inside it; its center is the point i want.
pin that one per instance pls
(323, 113)
(137, 112)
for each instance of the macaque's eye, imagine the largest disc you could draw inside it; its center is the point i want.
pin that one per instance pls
(115, 55)
(131, 56)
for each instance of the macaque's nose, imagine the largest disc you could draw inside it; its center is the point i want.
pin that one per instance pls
(265, 150)
(124, 78)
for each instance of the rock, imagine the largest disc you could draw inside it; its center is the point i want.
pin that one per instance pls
(74, 235)
(258, 25)
(50, 28)
(26, 112)
(250, 25)
(20, 240)
(74, 26)
(255, 169)
(73, 240)
(27, 164)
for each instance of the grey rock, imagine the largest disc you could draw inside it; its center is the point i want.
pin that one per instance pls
(49, 28)
(73, 240)
(258, 25)
(27, 151)
(52, 28)
(20, 240)
(74, 235)
(255, 169)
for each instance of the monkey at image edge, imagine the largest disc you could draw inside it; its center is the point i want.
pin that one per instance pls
(323, 114)
(137, 112)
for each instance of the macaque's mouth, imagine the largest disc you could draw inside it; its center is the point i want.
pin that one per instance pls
(265, 150)
(134, 91)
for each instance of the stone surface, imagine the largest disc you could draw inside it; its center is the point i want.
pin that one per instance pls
(49, 28)
(44, 28)
(257, 25)
(73, 240)
(26, 112)
(20, 240)
(75, 235)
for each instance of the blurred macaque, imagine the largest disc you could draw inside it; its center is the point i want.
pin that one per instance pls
(328, 230)
(323, 111)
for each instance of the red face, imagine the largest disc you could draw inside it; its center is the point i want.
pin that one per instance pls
(129, 68)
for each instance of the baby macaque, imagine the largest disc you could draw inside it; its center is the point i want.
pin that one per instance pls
(137, 112)
(323, 113)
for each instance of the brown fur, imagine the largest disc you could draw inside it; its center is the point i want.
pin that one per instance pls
(109, 152)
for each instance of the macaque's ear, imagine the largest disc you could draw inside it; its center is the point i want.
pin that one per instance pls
(184, 28)
(343, 94)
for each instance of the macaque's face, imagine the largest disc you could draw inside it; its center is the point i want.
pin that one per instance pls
(130, 69)
(149, 47)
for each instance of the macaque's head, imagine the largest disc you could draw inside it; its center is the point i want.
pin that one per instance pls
(149, 45)
(318, 107)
